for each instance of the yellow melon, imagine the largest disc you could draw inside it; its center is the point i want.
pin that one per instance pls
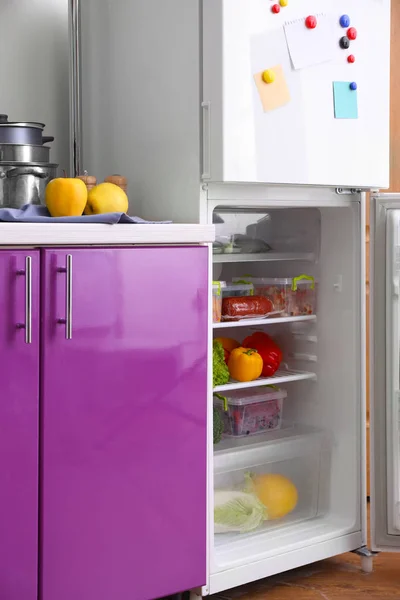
(276, 492)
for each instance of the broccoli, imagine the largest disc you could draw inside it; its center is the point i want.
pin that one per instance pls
(218, 426)
(220, 369)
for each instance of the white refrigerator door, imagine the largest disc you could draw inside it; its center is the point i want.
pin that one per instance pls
(286, 131)
(385, 372)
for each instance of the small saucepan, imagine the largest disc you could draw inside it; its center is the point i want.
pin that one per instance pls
(22, 133)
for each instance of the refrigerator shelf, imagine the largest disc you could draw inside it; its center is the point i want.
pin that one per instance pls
(264, 257)
(281, 376)
(265, 321)
(288, 432)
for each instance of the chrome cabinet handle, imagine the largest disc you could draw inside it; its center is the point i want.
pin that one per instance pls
(68, 326)
(28, 300)
(68, 298)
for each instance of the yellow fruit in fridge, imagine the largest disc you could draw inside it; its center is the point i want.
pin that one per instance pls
(228, 344)
(276, 492)
(106, 198)
(66, 197)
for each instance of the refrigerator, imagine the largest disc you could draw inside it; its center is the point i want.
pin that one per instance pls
(270, 120)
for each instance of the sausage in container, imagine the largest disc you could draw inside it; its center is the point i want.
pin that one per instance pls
(245, 307)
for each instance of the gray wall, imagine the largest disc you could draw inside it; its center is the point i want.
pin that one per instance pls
(34, 76)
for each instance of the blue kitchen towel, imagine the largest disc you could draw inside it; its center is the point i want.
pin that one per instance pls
(39, 214)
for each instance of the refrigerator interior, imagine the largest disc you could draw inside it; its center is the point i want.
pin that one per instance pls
(319, 445)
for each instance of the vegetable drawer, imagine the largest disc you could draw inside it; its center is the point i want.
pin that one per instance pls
(268, 485)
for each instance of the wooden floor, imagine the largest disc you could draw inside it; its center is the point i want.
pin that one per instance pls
(335, 579)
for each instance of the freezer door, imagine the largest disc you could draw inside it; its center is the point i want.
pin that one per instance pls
(385, 372)
(256, 130)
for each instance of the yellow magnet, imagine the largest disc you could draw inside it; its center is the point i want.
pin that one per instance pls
(283, 2)
(268, 76)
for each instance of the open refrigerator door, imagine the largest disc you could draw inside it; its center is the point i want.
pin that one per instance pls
(287, 466)
(385, 372)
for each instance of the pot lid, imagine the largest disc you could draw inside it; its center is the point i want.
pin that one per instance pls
(4, 122)
(15, 163)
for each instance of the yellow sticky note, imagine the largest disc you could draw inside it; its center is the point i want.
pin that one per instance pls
(275, 94)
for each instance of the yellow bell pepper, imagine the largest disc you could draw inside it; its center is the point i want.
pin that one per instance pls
(245, 364)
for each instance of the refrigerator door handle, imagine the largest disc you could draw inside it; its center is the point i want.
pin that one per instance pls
(396, 286)
(75, 85)
(206, 106)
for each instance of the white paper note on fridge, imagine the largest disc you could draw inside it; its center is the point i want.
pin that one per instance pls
(309, 47)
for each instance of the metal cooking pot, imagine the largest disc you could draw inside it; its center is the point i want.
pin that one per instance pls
(24, 184)
(24, 153)
(22, 133)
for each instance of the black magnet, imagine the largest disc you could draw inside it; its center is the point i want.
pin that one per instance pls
(344, 42)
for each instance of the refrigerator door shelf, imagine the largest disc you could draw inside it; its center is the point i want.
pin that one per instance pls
(385, 372)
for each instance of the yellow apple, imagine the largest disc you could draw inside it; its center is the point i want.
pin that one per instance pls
(66, 197)
(106, 198)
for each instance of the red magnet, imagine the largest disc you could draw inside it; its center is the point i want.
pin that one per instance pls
(311, 22)
(276, 8)
(352, 33)
(351, 58)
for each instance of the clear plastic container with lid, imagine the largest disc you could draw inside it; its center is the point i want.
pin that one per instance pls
(234, 289)
(248, 413)
(222, 289)
(291, 297)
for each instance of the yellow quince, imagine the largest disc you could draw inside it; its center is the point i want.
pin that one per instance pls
(66, 197)
(106, 198)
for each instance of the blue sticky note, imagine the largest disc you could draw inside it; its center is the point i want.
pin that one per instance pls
(345, 100)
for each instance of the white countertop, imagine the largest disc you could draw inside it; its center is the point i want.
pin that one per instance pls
(57, 234)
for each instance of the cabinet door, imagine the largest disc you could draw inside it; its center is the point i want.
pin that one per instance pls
(124, 422)
(19, 422)
(286, 131)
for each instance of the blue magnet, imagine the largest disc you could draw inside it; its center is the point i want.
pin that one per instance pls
(353, 86)
(344, 21)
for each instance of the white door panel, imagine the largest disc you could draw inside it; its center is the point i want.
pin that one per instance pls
(300, 142)
(385, 372)
(392, 370)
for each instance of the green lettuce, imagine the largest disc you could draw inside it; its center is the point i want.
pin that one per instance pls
(237, 511)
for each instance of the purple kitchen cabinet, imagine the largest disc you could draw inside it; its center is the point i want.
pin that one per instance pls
(124, 422)
(19, 423)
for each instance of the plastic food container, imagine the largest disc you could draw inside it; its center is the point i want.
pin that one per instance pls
(256, 411)
(217, 286)
(237, 289)
(290, 297)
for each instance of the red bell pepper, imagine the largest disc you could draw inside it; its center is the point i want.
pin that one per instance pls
(268, 349)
